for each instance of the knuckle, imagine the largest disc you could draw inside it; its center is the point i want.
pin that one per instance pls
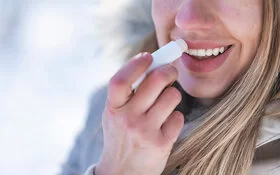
(171, 70)
(109, 110)
(135, 129)
(127, 124)
(116, 82)
(141, 132)
(159, 76)
(165, 73)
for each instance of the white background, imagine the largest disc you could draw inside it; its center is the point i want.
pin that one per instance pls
(48, 71)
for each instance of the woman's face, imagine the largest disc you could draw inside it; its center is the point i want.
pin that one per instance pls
(209, 27)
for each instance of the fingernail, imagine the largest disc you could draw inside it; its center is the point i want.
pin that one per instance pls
(145, 54)
(137, 56)
(140, 55)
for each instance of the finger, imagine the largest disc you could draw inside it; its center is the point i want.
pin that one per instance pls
(120, 90)
(152, 87)
(173, 126)
(164, 106)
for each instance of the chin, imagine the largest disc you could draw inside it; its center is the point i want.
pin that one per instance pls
(203, 92)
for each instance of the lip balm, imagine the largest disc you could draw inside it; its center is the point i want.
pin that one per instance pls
(165, 55)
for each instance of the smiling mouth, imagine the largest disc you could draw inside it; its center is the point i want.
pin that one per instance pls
(207, 53)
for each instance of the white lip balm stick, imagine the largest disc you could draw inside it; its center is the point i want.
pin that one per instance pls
(165, 55)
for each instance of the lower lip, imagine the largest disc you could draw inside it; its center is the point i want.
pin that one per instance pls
(204, 65)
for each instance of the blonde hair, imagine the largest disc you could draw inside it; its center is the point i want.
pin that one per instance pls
(225, 142)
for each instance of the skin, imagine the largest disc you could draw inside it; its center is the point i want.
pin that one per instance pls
(233, 22)
(141, 127)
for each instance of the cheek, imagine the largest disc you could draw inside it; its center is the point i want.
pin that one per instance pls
(245, 25)
(243, 20)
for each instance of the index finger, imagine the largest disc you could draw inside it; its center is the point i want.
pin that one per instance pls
(120, 86)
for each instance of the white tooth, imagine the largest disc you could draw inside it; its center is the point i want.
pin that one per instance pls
(209, 52)
(216, 51)
(193, 52)
(201, 53)
(187, 51)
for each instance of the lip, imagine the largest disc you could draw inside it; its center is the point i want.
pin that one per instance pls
(205, 65)
(205, 44)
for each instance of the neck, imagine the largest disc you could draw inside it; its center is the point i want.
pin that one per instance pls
(205, 102)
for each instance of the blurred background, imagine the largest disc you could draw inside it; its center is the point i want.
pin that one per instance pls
(48, 71)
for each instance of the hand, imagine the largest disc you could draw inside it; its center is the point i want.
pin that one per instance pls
(140, 128)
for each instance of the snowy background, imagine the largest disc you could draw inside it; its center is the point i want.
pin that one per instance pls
(48, 71)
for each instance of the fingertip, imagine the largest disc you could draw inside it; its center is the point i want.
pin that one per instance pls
(181, 118)
(147, 56)
(172, 127)
(144, 60)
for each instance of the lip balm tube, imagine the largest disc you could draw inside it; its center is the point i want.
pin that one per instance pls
(165, 55)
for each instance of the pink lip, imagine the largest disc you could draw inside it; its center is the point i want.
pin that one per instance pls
(205, 44)
(205, 65)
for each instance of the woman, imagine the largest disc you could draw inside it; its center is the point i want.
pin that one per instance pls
(221, 116)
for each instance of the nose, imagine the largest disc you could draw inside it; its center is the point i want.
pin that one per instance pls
(195, 15)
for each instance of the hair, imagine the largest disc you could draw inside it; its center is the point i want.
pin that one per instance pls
(226, 140)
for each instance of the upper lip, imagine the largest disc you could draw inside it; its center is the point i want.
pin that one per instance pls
(205, 44)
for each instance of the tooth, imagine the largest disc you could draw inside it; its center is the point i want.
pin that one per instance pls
(209, 52)
(193, 52)
(201, 53)
(216, 52)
